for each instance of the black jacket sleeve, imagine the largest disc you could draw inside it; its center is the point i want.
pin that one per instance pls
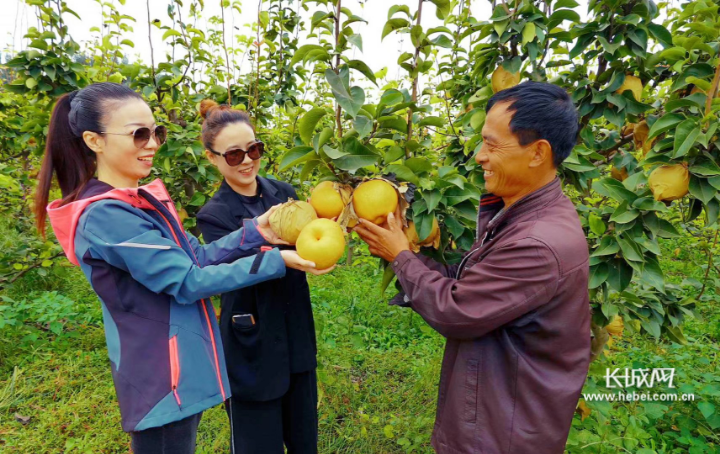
(211, 227)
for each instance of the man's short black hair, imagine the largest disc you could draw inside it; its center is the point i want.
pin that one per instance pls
(541, 111)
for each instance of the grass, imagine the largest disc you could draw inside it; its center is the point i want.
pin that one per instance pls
(378, 374)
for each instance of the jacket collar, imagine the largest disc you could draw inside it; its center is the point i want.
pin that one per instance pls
(490, 204)
(64, 218)
(235, 203)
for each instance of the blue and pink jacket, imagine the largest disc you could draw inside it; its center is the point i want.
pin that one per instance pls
(154, 281)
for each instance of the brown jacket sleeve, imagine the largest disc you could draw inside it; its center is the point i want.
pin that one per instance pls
(508, 283)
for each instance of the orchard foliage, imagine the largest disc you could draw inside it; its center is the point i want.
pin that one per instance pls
(644, 77)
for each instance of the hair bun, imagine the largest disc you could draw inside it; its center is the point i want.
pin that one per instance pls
(206, 105)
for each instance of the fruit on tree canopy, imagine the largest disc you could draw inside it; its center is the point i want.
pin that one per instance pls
(619, 174)
(288, 221)
(329, 199)
(503, 79)
(633, 84)
(616, 326)
(374, 199)
(433, 238)
(321, 241)
(669, 182)
(640, 137)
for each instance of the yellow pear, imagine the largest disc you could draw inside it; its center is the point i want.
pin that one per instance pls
(633, 84)
(669, 182)
(432, 240)
(619, 174)
(503, 79)
(321, 241)
(640, 137)
(288, 221)
(616, 326)
(329, 199)
(374, 199)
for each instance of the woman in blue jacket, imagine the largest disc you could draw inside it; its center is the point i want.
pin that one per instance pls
(153, 279)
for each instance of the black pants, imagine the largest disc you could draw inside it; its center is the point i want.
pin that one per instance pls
(262, 427)
(175, 438)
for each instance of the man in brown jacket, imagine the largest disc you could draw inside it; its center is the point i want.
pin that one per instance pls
(515, 311)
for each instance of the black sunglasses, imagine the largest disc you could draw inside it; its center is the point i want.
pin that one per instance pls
(141, 136)
(236, 156)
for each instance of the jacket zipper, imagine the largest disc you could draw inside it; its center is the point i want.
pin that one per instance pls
(203, 301)
(174, 368)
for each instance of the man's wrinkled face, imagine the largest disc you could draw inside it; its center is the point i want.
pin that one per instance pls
(509, 167)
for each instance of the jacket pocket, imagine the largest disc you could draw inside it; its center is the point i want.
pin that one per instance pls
(471, 391)
(246, 337)
(174, 367)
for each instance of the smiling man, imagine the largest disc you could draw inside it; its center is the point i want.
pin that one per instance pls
(515, 311)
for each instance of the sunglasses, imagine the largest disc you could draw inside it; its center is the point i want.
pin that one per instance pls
(236, 156)
(141, 136)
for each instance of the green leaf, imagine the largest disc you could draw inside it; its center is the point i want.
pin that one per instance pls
(333, 153)
(528, 33)
(455, 228)
(661, 34)
(392, 25)
(352, 101)
(705, 168)
(296, 156)
(358, 155)
(562, 15)
(387, 278)
(307, 124)
(659, 227)
(402, 172)
(304, 50)
(478, 120)
(197, 200)
(423, 224)
(666, 123)
(30, 83)
(685, 135)
(652, 327)
(598, 274)
(630, 250)
(566, 4)
(701, 189)
(170, 32)
(619, 275)
(356, 40)
(321, 138)
(359, 65)
(597, 226)
(399, 8)
(608, 246)
(610, 187)
(707, 409)
(418, 165)
(431, 121)
(623, 214)
(363, 125)
(443, 8)
(652, 274)
(432, 198)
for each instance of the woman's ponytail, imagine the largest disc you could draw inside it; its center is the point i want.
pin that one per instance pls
(66, 154)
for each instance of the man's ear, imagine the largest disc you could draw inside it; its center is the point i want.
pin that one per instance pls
(542, 153)
(94, 141)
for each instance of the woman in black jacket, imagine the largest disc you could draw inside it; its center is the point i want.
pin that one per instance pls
(267, 329)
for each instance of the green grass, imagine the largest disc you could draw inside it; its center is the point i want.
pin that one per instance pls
(378, 374)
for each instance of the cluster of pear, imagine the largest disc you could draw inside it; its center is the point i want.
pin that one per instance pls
(317, 227)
